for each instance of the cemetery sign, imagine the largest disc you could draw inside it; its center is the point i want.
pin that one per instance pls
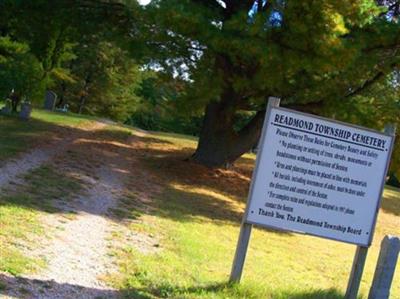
(319, 177)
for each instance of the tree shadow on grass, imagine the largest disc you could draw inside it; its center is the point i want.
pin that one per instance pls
(225, 290)
(20, 287)
(192, 192)
(57, 180)
(173, 165)
(187, 192)
(189, 189)
(185, 205)
(164, 159)
(114, 133)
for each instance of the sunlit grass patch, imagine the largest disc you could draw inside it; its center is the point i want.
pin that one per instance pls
(15, 263)
(21, 208)
(167, 138)
(17, 224)
(61, 119)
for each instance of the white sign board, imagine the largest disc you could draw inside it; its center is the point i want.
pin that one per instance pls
(319, 177)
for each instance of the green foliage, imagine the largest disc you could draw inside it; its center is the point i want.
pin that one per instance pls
(377, 106)
(104, 80)
(321, 54)
(19, 69)
(46, 27)
(393, 181)
(156, 120)
(70, 47)
(256, 61)
(159, 108)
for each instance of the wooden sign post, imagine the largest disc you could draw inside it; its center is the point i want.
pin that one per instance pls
(313, 176)
(245, 228)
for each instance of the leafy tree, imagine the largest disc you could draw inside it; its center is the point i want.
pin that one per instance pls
(235, 54)
(159, 108)
(52, 29)
(103, 79)
(73, 45)
(377, 107)
(19, 69)
(46, 27)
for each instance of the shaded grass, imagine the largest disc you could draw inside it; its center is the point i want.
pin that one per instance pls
(113, 133)
(45, 184)
(196, 216)
(20, 212)
(17, 136)
(182, 140)
(228, 291)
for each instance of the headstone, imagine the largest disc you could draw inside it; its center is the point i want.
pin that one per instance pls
(385, 268)
(25, 113)
(50, 100)
(64, 109)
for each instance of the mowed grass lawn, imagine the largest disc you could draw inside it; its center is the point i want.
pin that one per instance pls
(196, 213)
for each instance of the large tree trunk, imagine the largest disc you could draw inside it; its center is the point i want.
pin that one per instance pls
(85, 91)
(219, 144)
(61, 98)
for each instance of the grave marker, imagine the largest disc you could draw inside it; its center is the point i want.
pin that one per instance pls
(50, 100)
(26, 110)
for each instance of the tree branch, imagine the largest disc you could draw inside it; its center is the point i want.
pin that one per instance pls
(366, 84)
(250, 134)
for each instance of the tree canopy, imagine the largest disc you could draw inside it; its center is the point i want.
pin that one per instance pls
(317, 56)
(220, 61)
(71, 47)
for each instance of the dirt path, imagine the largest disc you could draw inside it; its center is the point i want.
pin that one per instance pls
(81, 245)
(77, 255)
